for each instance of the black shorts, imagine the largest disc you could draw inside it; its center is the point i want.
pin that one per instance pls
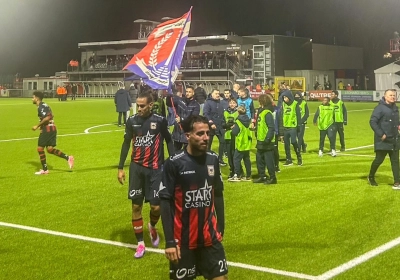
(144, 183)
(47, 139)
(210, 262)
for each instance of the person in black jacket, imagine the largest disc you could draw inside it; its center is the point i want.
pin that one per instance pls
(214, 112)
(123, 103)
(385, 122)
(200, 96)
(183, 108)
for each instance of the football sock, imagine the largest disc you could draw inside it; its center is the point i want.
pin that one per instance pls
(154, 219)
(42, 157)
(138, 229)
(57, 153)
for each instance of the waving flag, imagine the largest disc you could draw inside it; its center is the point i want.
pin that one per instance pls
(159, 61)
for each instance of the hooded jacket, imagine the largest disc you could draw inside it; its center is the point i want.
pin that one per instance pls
(122, 100)
(289, 95)
(245, 120)
(385, 121)
(300, 100)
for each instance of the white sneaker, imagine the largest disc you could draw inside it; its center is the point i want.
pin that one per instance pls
(235, 178)
(42, 172)
(320, 153)
(333, 153)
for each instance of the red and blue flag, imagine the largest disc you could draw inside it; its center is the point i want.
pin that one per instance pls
(159, 61)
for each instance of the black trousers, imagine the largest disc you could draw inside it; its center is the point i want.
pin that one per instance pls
(221, 144)
(331, 133)
(300, 137)
(230, 150)
(340, 129)
(237, 158)
(394, 162)
(290, 137)
(265, 159)
(120, 114)
(276, 151)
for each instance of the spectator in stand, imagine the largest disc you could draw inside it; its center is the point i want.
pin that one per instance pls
(200, 96)
(133, 93)
(341, 85)
(123, 103)
(214, 112)
(348, 87)
(328, 85)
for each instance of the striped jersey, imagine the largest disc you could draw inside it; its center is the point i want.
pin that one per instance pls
(189, 182)
(44, 111)
(147, 136)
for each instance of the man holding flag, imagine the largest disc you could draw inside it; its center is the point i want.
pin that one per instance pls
(158, 66)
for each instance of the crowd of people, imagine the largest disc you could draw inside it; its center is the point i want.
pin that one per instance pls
(186, 190)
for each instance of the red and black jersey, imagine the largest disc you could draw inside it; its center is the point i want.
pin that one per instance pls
(44, 110)
(190, 183)
(147, 136)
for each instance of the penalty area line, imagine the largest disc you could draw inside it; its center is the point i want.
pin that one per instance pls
(153, 250)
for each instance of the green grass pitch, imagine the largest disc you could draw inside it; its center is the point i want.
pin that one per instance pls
(318, 217)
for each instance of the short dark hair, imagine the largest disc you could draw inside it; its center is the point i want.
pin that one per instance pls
(262, 99)
(227, 89)
(335, 92)
(190, 87)
(148, 94)
(39, 94)
(187, 124)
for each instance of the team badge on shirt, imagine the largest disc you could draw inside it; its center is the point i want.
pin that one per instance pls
(210, 169)
(153, 125)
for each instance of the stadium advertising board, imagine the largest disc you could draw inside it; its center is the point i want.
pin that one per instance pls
(319, 95)
(357, 95)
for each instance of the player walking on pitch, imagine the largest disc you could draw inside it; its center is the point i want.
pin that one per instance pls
(147, 132)
(48, 134)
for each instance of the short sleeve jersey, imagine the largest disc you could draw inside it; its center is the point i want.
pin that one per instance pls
(44, 111)
(147, 135)
(190, 182)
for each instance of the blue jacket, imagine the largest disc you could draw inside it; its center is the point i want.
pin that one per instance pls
(214, 112)
(184, 108)
(249, 105)
(122, 100)
(385, 120)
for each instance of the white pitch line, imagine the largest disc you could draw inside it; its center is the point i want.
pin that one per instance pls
(355, 155)
(159, 251)
(87, 130)
(62, 135)
(359, 260)
(359, 148)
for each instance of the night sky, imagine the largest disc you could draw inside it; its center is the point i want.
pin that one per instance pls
(41, 36)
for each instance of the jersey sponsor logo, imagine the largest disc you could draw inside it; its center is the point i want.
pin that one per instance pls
(135, 192)
(210, 170)
(199, 198)
(186, 272)
(144, 141)
(188, 172)
(153, 125)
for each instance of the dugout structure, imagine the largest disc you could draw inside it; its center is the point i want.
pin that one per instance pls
(295, 84)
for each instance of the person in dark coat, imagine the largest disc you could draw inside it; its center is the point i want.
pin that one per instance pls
(214, 112)
(133, 93)
(183, 108)
(123, 103)
(200, 95)
(385, 123)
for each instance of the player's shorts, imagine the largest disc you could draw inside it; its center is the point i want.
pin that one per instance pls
(144, 183)
(47, 139)
(210, 262)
